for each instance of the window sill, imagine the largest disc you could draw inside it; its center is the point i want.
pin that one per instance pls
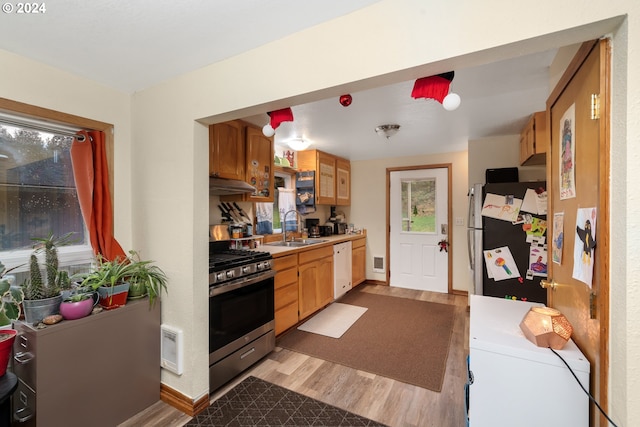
(67, 256)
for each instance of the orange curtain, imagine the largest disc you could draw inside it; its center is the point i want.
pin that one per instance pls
(91, 174)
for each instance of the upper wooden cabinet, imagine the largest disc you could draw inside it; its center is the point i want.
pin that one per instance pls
(343, 182)
(534, 141)
(240, 151)
(259, 164)
(226, 150)
(333, 176)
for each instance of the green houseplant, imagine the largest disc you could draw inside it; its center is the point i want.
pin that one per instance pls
(136, 277)
(43, 297)
(110, 280)
(146, 279)
(10, 298)
(78, 304)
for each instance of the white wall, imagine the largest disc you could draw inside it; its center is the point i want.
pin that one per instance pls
(499, 152)
(368, 208)
(560, 62)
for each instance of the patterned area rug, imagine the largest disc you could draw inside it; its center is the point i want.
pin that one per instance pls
(255, 402)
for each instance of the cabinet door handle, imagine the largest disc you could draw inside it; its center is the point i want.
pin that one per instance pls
(22, 415)
(23, 357)
(252, 350)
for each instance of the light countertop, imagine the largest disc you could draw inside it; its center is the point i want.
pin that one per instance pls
(277, 251)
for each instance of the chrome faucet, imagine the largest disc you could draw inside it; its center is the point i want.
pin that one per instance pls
(284, 223)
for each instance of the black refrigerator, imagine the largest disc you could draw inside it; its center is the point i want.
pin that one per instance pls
(487, 233)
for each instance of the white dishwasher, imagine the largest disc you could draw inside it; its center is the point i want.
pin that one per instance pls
(341, 269)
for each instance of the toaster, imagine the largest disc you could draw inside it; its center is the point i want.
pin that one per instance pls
(340, 228)
(325, 230)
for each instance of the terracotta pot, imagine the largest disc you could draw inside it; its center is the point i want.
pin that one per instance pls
(113, 297)
(7, 337)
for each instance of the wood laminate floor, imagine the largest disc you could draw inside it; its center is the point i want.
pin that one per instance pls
(381, 399)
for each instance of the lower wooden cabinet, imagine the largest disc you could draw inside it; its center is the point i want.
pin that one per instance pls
(359, 261)
(286, 292)
(315, 280)
(304, 282)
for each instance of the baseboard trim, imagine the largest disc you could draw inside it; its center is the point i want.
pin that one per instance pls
(181, 402)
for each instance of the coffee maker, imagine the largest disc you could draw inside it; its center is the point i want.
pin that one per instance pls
(312, 226)
(337, 221)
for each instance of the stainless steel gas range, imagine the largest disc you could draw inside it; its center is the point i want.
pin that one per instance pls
(241, 311)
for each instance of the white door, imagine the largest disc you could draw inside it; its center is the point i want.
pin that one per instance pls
(418, 215)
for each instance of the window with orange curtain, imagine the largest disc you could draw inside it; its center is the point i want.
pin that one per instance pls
(37, 192)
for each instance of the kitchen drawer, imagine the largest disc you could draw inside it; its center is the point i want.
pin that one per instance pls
(286, 317)
(285, 262)
(286, 295)
(315, 254)
(286, 277)
(24, 351)
(358, 243)
(24, 406)
(241, 359)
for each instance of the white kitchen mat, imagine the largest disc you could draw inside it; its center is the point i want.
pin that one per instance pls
(334, 320)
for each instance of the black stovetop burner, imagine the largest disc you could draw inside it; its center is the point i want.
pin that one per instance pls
(220, 257)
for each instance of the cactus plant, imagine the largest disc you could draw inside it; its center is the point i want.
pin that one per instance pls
(35, 287)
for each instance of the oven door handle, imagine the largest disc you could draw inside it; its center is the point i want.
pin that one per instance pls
(241, 283)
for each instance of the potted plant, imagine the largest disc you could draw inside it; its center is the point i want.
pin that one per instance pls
(42, 298)
(146, 279)
(110, 280)
(78, 304)
(7, 337)
(10, 299)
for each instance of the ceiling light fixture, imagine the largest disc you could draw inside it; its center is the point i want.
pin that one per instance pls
(298, 144)
(387, 130)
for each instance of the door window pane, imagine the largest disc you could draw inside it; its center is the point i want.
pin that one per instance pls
(419, 206)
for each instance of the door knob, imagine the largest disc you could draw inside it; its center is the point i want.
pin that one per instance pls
(548, 284)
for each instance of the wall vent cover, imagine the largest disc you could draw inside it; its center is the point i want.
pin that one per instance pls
(171, 349)
(378, 264)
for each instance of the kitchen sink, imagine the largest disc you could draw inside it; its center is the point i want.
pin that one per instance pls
(297, 242)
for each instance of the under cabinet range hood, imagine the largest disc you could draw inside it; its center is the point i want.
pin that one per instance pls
(222, 186)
